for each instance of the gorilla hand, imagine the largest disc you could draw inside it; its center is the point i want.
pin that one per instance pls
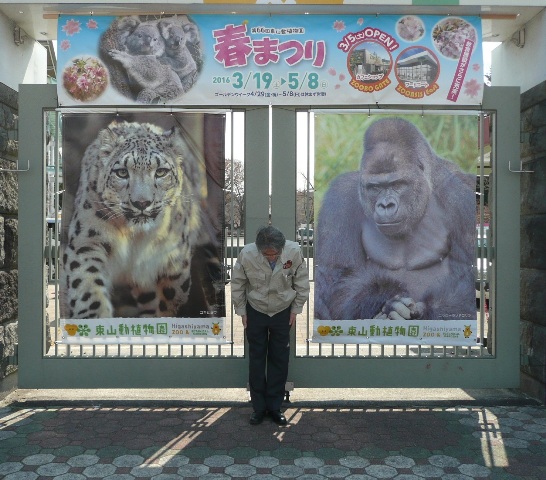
(401, 308)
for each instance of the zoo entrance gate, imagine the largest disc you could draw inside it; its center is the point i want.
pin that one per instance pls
(45, 364)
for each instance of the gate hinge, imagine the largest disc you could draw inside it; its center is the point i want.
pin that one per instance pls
(14, 359)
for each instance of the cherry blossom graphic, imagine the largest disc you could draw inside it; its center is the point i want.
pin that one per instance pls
(337, 87)
(476, 67)
(341, 77)
(65, 44)
(410, 28)
(360, 21)
(472, 88)
(85, 79)
(339, 25)
(332, 71)
(92, 24)
(71, 27)
(449, 36)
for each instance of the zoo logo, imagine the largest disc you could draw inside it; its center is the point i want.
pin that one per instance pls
(323, 330)
(72, 329)
(216, 329)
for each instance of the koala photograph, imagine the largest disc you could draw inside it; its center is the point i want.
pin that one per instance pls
(151, 61)
(179, 36)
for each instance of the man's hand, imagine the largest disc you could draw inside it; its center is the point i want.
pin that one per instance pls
(243, 317)
(292, 318)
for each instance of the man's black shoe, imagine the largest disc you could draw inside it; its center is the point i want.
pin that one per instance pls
(256, 418)
(278, 417)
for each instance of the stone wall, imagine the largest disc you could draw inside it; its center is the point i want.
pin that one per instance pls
(533, 243)
(8, 229)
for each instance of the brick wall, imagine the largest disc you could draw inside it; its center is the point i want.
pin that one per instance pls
(533, 243)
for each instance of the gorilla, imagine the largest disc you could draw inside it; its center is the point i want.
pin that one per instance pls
(396, 238)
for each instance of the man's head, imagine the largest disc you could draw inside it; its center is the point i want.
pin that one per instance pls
(270, 242)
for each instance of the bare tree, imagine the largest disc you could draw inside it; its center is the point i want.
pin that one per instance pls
(235, 194)
(305, 204)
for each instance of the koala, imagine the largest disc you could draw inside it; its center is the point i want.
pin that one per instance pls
(114, 38)
(178, 37)
(153, 80)
(133, 48)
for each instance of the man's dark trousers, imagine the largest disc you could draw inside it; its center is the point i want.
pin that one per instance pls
(269, 348)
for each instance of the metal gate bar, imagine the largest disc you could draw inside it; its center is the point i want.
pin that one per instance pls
(235, 347)
(392, 351)
(402, 366)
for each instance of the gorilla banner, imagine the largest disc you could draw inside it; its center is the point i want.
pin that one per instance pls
(394, 244)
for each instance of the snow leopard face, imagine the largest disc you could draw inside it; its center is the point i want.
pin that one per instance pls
(138, 178)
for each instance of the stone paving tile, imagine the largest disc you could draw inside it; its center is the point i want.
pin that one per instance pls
(495, 443)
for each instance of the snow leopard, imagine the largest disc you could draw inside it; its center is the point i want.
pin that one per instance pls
(136, 220)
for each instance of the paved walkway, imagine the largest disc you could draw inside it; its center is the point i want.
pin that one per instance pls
(125, 440)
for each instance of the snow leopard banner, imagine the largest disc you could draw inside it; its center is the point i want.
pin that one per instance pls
(270, 59)
(142, 223)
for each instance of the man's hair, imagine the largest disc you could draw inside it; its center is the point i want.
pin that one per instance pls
(270, 237)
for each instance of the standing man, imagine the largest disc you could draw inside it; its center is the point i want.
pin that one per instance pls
(269, 286)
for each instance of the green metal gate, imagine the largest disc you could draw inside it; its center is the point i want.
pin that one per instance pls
(43, 363)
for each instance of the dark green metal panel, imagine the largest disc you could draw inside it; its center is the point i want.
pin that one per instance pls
(283, 177)
(500, 371)
(32, 100)
(37, 371)
(256, 170)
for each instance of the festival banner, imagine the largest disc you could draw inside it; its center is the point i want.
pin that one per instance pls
(395, 235)
(279, 60)
(141, 232)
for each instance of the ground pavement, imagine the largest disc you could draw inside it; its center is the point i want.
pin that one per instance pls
(125, 439)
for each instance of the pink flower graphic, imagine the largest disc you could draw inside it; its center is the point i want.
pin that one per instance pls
(332, 71)
(360, 21)
(338, 86)
(449, 36)
(341, 77)
(85, 79)
(476, 67)
(83, 83)
(410, 28)
(92, 24)
(71, 27)
(472, 88)
(65, 44)
(339, 25)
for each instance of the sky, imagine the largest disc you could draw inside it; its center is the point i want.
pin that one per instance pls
(488, 47)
